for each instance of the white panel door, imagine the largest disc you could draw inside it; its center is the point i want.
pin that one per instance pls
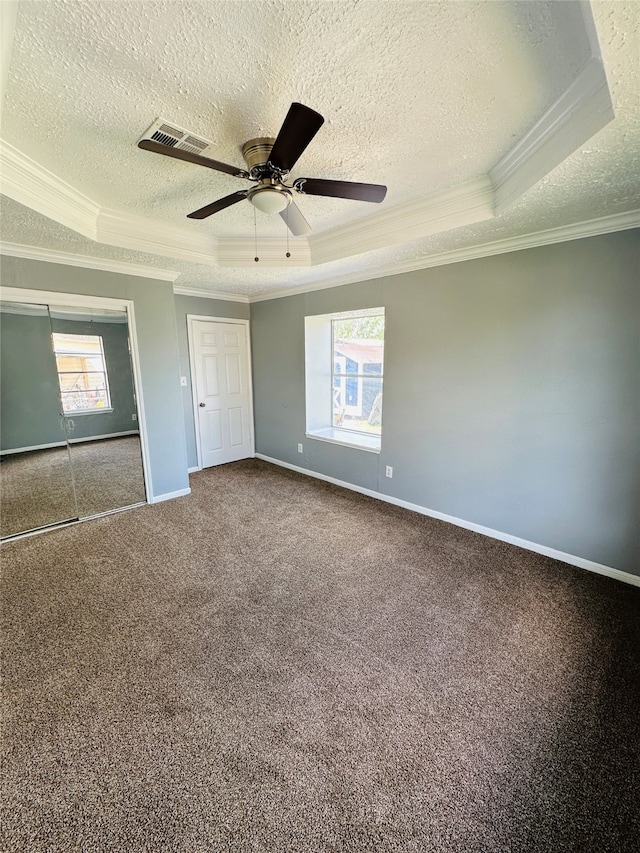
(221, 386)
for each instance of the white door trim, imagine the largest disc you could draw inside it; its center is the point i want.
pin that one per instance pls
(77, 300)
(204, 318)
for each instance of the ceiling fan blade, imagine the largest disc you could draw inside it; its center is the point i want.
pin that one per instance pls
(216, 206)
(198, 159)
(298, 129)
(296, 223)
(341, 189)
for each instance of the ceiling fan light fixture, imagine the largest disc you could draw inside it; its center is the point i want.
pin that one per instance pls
(269, 199)
(269, 161)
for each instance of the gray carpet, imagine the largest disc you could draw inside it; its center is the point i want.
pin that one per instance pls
(35, 490)
(43, 487)
(275, 664)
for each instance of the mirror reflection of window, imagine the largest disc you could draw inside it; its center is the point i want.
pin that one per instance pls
(82, 373)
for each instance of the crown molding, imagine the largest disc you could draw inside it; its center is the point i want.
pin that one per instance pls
(52, 256)
(28, 183)
(143, 235)
(203, 293)
(591, 228)
(576, 231)
(451, 208)
(242, 252)
(580, 112)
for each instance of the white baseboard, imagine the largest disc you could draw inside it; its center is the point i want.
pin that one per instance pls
(33, 447)
(169, 496)
(194, 469)
(106, 435)
(71, 441)
(571, 559)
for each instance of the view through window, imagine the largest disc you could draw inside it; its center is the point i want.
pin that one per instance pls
(82, 373)
(356, 380)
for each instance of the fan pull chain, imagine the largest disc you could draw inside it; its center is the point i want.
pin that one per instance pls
(255, 236)
(287, 227)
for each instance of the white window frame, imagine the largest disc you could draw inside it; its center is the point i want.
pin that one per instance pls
(96, 410)
(319, 382)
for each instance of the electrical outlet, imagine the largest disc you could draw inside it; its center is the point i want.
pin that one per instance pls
(388, 471)
(134, 417)
(300, 449)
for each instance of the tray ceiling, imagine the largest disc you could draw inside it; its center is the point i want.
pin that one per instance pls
(479, 117)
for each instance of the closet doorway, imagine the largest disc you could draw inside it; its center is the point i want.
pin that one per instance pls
(72, 427)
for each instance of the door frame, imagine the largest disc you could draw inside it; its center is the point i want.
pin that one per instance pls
(77, 300)
(205, 318)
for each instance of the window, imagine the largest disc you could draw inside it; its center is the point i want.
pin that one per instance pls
(344, 375)
(82, 373)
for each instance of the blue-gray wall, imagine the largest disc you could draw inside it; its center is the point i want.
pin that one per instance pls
(30, 410)
(511, 393)
(29, 394)
(157, 347)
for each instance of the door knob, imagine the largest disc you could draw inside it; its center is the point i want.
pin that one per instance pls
(202, 405)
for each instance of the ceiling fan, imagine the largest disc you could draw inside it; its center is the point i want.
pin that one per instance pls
(269, 162)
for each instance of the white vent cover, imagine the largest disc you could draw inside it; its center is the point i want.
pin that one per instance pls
(168, 133)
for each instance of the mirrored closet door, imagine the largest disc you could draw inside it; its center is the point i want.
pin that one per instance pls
(35, 468)
(70, 439)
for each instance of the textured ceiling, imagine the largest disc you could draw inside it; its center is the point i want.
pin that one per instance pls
(422, 96)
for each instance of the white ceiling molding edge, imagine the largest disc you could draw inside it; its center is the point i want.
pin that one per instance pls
(52, 256)
(579, 112)
(209, 294)
(452, 208)
(583, 109)
(242, 251)
(134, 232)
(28, 183)
(591, 228)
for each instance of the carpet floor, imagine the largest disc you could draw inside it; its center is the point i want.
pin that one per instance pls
(274, 664)
(42, 487)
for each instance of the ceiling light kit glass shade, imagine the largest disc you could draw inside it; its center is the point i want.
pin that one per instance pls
(269, 199)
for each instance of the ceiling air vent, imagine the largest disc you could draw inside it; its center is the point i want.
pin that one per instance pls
(171, 134)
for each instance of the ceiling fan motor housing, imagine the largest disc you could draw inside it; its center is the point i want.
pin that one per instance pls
(256, 151)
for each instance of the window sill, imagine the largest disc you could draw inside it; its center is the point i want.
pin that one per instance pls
(82, 412)
(361, 441)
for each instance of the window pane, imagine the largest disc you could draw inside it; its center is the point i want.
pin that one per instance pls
(95, 381)
(94, 362)
(357, 403)
(78, 401)
(81, 372)
(358, 345)
(72, 381)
